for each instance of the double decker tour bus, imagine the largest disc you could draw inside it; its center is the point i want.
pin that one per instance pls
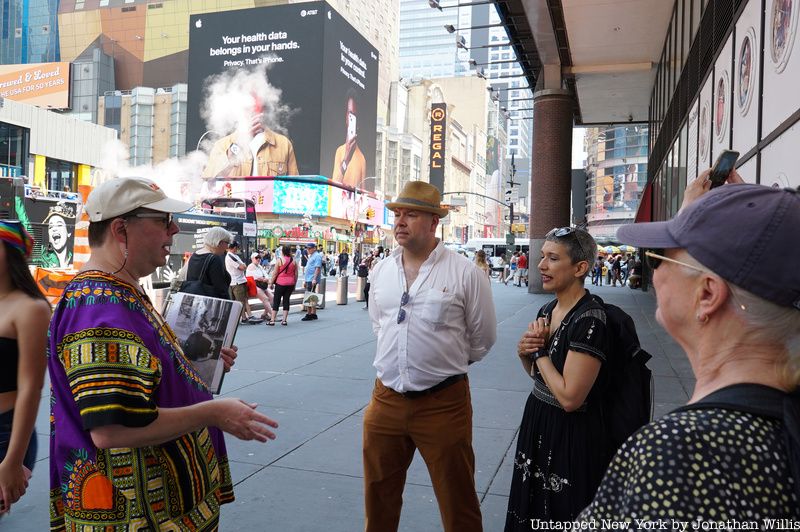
(236, 215)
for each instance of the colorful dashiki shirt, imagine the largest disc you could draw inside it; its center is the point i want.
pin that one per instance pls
(112, 360)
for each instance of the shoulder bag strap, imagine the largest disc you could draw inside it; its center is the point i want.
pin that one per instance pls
(205, 265)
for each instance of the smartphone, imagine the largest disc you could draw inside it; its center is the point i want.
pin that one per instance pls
(722, 167)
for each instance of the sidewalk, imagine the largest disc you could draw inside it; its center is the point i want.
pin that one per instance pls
(310, 478)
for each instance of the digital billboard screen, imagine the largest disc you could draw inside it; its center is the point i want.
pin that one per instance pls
(299, 198)
(322, 118)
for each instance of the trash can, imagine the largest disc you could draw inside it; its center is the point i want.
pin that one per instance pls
(362, 282)
(341, 290)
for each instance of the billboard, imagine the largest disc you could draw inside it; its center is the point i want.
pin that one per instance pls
(327, 74)
(41, 84)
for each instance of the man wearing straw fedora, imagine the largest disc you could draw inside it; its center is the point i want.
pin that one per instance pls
(433, 314)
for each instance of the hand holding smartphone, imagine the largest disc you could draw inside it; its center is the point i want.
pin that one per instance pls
(722, 167)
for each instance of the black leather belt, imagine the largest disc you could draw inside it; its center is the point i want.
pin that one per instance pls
(449, 381)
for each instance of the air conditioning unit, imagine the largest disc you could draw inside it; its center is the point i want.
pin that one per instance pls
(46, 29)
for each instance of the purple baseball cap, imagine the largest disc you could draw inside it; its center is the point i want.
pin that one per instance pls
(747, 234)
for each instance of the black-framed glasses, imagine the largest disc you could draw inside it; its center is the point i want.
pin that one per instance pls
(401, 314)
(165, 217)
(563, 232)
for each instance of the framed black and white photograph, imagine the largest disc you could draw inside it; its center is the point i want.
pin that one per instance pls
(204, 325)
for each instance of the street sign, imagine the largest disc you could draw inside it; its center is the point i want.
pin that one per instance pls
(516, 217)
(510, 239)
(458, 201)
(512, 193)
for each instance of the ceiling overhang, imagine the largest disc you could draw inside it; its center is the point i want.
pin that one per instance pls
(605, 51)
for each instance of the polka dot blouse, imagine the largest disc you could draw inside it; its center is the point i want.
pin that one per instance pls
(709, 465)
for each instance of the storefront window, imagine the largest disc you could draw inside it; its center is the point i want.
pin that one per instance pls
(60, 175)
(13, 149)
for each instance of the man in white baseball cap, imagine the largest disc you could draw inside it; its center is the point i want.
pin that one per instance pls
(120, 381)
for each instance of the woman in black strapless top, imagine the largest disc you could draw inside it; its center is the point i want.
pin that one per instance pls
(24, 318)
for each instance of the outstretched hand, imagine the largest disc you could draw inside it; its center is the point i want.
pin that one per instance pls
(242, 420)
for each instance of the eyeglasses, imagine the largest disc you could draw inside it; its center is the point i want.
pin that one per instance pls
(401, 314)
(166, 218)
(561, 232)
(654, 260)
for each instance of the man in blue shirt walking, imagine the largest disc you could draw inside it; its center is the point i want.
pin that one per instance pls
(312, 274)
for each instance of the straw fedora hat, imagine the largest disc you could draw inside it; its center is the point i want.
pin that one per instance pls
(419, 196)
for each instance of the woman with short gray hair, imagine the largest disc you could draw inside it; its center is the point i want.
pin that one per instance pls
(214, 236)
(207, 264)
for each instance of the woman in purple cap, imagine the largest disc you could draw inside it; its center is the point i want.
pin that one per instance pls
(24, 316)
(726, 275)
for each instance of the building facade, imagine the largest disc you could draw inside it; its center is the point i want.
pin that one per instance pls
(467, 188)
(55, 152)
(28, 31)
(616, 175)
(726, 81)
(149, 39)
(428, 51)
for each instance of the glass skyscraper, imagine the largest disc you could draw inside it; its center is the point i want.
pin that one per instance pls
(28, 31)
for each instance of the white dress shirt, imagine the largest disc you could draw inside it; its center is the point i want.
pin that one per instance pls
(450, 319)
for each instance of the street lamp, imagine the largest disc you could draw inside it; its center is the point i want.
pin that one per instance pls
(462, 43)
(474, 63)
(452, 29)
(435, 4)
(492, 89)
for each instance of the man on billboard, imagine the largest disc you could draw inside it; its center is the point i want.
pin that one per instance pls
(261, 151)
(350, 165)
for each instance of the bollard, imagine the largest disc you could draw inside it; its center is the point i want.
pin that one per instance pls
(321, 287)
(362, 282)
(341, 290)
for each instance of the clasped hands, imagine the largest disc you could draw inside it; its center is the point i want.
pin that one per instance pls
(534, 338)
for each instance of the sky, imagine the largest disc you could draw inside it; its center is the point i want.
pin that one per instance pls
(578, 153)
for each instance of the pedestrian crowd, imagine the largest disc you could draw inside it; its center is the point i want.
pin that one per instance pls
(137, 441)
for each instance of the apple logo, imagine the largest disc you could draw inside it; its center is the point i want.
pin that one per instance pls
(198, 23)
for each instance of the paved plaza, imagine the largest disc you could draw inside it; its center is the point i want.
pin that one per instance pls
(315, 379)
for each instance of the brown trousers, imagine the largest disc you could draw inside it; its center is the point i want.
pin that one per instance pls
(440, 426)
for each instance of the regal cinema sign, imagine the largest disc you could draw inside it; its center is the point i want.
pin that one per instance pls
(41, 84)
(438, 123)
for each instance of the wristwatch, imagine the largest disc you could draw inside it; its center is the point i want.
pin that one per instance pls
(539, 354)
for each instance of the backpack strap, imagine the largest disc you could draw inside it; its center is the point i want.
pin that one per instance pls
(766, 402)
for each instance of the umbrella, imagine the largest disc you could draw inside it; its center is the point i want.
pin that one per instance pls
(627, 249)
(612, 249)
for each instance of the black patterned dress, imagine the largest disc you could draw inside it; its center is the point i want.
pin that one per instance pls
(561, 456)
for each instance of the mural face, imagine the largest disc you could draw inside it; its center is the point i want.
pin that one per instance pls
(783, 22)
(746, 69)
(704, 125)
(721, 110)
